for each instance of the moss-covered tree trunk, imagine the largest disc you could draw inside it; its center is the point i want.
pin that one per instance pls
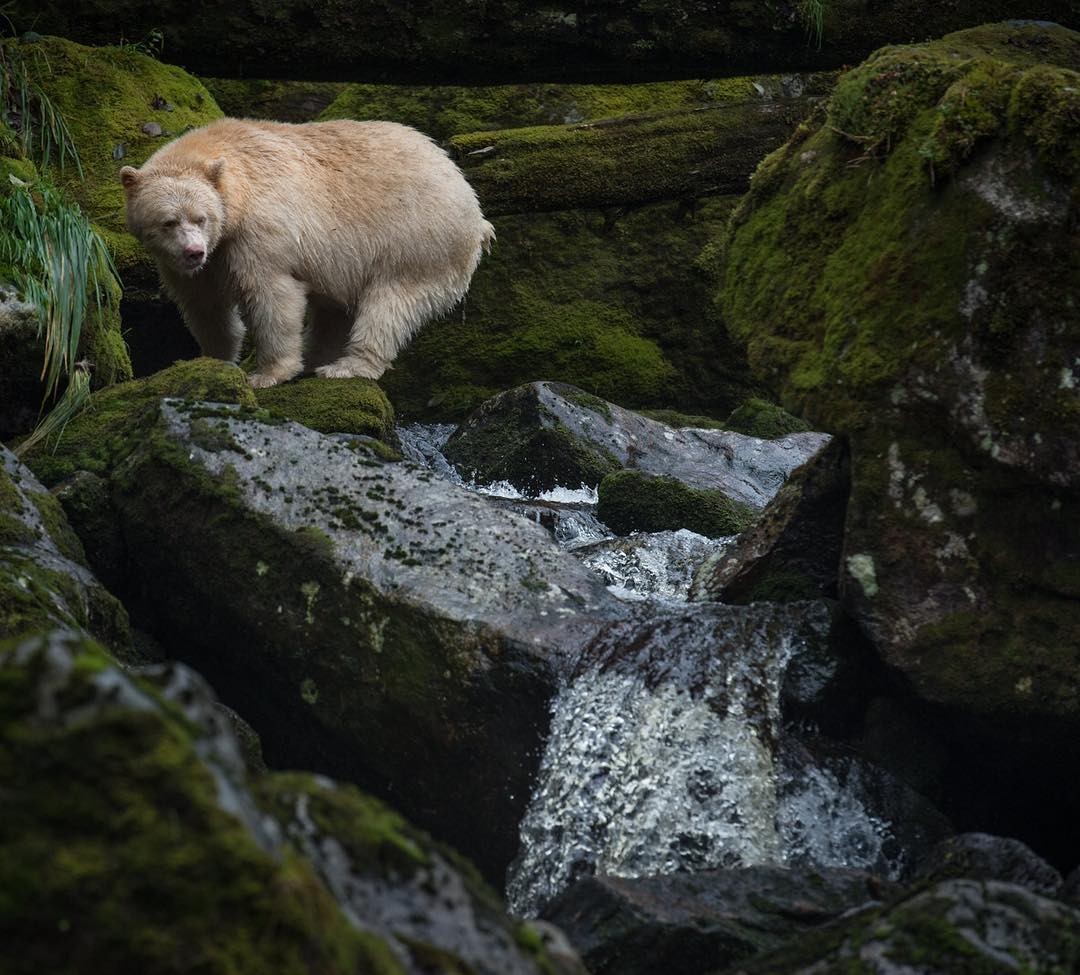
(504, 40)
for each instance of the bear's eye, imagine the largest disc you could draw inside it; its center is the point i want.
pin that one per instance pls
(169, 224)
(199, 221)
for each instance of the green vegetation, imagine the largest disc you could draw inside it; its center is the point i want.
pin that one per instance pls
(106, 95)
(633, 501)
(59, 264)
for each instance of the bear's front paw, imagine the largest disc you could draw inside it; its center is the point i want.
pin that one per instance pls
(261, 380)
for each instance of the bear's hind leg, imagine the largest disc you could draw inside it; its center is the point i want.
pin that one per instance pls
(275, 315)
(388, 316)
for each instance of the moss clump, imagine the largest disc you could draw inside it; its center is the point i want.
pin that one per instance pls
(612, 304)
(115, 851)
(633, 501)
(332, 405)
(38, 589)
(673, 418)
(99, 437)
(760, 418)
(620, 162)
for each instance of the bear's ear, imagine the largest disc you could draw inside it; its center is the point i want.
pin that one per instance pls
(214, 171)
(129, 176)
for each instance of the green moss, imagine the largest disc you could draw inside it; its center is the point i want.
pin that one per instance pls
(97, 438)
(356, 406)
(847, 264)
(673, 418)
(633, 501)
(515, 438)
(612, 304)
(117, 856)
(106, 95)
(760, 418)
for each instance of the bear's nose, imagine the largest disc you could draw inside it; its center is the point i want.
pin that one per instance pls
(194, 252)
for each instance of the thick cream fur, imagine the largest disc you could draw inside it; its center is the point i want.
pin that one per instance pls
(367, 225)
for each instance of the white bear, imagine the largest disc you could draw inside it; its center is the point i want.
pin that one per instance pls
(367, 226)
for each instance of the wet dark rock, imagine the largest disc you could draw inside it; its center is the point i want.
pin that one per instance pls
(85, 499)
(694, 922)
(792, 551)
(546, 434)
(957, 927)
(979, 856)
(399, 625)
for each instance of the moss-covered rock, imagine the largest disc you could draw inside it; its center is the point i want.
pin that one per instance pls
(107, 95)
(757, 417)
(128, 842)
(611, 303)
(543, 435)
(905, 271)
(440, 913)
(44, 581)
(633, 501)
(958, 927)
(101, 435)
(332, 406)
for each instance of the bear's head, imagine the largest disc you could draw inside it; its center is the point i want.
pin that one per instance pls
(179, 216)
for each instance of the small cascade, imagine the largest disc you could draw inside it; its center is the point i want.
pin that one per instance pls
(667, 750)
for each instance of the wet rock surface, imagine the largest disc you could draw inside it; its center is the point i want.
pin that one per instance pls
(979, 856)
(957, 926)
(692, 923)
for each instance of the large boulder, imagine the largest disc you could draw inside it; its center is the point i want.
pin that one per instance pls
(133, 840)
(904, 272)
(404, 633)
(513, 41)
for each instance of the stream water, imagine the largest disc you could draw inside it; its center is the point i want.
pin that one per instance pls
(676, 759)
